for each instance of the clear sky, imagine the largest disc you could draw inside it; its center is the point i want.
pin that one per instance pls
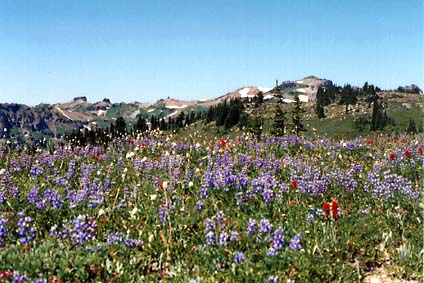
(52, 51)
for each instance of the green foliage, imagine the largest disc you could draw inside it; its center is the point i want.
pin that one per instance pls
(258, 99)
(319, 109)
(379, 119)
(140, 126)
(279, 126)
(413, 89)
(348, 96)
(297, 116)
(361, 124)
(254, 126)
(121, 126)
(411, 127)
(226, 114)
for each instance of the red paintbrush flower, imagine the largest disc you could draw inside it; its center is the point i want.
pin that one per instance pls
(334, 208)
(407, 153)
(223, 143)
(420, 150)
(294, 184)
(392, 156)
(326, 208)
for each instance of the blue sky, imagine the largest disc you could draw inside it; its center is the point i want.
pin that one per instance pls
(52, 51)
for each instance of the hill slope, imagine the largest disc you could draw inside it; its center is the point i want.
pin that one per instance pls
(33, 123)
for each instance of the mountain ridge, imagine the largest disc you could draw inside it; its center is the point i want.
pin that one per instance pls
(32, 122)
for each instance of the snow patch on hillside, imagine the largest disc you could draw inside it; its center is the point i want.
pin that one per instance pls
(303, 98)
(101, 112)
(172, 114)
(63, 113)
(176, 106)
(264, 89)
(244, 93)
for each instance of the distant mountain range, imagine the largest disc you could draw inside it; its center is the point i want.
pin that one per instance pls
(32, 123)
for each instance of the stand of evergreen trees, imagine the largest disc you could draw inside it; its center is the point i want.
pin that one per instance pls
(413, 89)
(226, 114)
(346, 95)
(102, 136)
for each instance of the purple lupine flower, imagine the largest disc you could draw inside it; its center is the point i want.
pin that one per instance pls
(71, 168)
(197, 280)
(278, 240)
(82, 229)
(204, 193)
(18, 278)
(295, 242)
(24, 230)
(115, 238)
(96, 198)
(209, 180)
(273, 279)
(251, 226)
(314, 212)
(36, 171)
(240, 198)
(268, 195)
(5, 180)
(163, 214)
(14, 191)
(33, 196)
(54, 198)
(133, 243)
(118, 238)
(61, 181)
(265, 227)
(3, 230)
(209, 225)
(2, 197)
(221, 219)
(210, 238)
(238, 257)
(199, 206)
(55, 233)
(223, 238)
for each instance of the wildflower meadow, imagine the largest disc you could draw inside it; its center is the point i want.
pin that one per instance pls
(170, 209)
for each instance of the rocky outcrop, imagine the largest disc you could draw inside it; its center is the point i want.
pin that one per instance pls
(80, 98)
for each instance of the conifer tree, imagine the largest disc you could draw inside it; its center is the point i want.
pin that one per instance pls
(259, 99)
(374, 117)
(411, 127)
(280, 115)
(348, 97)
(320, 110)
(141, 125)
(297, 115)
(121, 125)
